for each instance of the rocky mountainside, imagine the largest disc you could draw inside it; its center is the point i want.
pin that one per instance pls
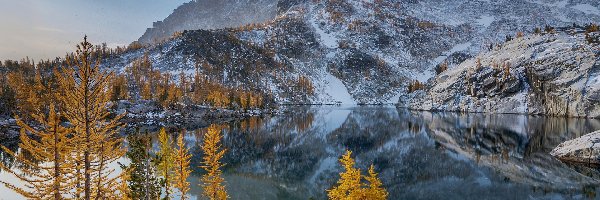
(210, 14)
(352, 51)
(552, 74)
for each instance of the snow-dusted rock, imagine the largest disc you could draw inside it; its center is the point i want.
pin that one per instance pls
(585, 149)
(551, 74)
(353, 51)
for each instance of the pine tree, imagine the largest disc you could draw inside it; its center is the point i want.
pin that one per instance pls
(166, 161)
(142, 180)
(182, 171)
(212, 182)
(85, 97)
(48, 161)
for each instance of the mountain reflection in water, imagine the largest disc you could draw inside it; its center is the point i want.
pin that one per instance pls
(419, 155)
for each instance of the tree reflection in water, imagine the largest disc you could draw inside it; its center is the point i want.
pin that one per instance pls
(419, 155)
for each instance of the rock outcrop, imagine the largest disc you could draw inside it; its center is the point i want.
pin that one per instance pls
(354, 52)
(550, 74)
(584, 149)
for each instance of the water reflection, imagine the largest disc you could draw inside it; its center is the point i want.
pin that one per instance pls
(419, 155)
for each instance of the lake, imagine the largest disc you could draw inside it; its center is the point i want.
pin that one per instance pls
(418, 155)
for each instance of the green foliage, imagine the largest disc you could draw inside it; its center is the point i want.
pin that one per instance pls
(142, 182)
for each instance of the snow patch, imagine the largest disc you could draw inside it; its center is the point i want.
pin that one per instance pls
(485, 21)
(329, 40)
(587, 9)
(336, 89)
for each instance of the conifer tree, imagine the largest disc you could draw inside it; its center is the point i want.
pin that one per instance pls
(166, 161)
(212, 182)
(142, 180)
(375, 191)
(350, 186)
(48, 162)
(85, 97)
(182, 171)
(123, 187)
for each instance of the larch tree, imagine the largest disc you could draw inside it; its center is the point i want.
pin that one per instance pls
(375, 190)
(350, 186)
(182, 168)
(166, 161)
(85, 98)
(48, 159)
(212, 182)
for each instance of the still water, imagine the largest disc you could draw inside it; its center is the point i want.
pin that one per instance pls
(419, 155)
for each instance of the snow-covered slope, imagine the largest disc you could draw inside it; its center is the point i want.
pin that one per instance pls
(552, 74)
(374, 48)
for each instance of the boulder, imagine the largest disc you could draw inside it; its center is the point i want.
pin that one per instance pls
(584, 149)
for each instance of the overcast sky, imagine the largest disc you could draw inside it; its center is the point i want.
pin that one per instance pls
(45, 29)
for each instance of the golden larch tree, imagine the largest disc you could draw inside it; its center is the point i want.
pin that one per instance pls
(212, 182)
(182, 168)
(166, 161)
(85, 97)
(375, 191)
(350, 186)
(49, 167)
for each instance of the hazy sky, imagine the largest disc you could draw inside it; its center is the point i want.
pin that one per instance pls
(43, 29)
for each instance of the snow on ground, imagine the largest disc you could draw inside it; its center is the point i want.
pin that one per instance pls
(327, 39)
(336, 89)
(559, 4)
(396, 98)
(485, 21)
(587, 9)
(427, 74)
(456, 48)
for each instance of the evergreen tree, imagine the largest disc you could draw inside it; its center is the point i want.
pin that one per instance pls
(48, 160)
(142, 180)
(212, 182)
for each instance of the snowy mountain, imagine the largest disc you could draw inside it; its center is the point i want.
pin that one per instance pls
(210, 14)
(353, 51)
(552, 74)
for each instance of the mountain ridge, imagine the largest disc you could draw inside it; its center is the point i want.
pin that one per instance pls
(374, 48)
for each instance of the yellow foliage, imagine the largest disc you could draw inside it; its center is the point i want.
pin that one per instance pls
(350, 187)
(167, 161)
(49, 165)
(123, 187)
(375, 191)
(212, 182)
(182, 170)
(219, 99)
(84, 97)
